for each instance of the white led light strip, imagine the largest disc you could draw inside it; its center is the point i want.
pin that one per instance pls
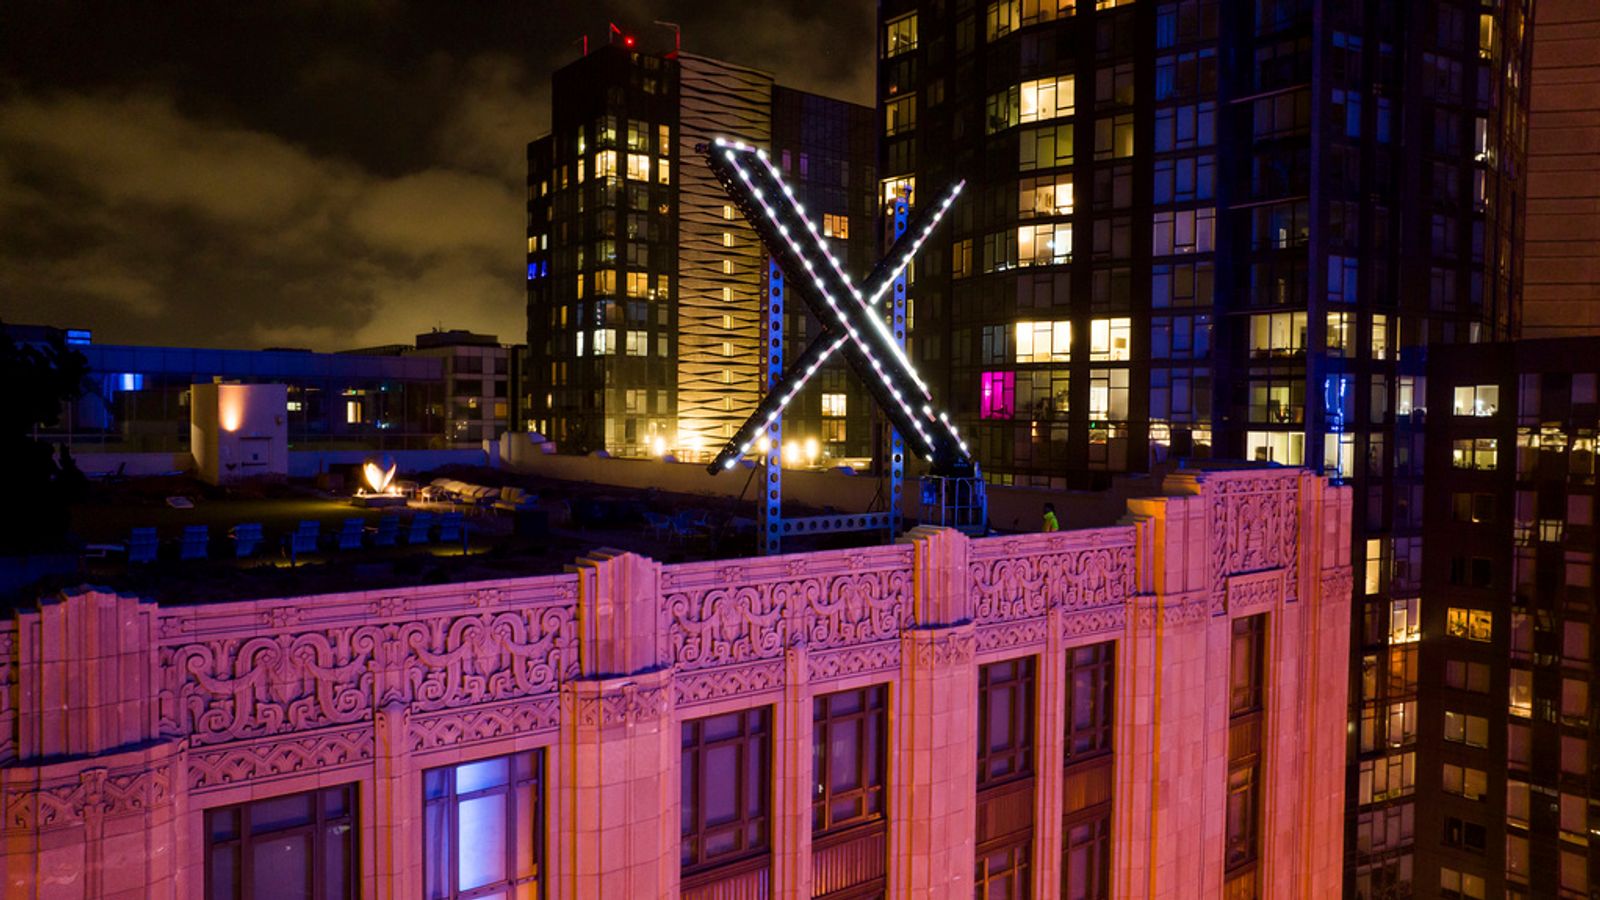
(868, 306)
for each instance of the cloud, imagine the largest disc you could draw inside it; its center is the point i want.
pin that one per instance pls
(128, 215)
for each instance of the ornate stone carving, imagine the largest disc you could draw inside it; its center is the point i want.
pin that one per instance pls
(1186, 608)
(714, 684)
(1010, 635)
(1106, 620)
(1338, 583)
(1015, 578)
(942, 647)
(94, 792)
(274, 757)
(1253, 593)
(1255, 525)
(234, 689)
(880, 657)
(482, 723)
(625, 705)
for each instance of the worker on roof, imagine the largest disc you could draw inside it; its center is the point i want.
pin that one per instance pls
(1051, 523)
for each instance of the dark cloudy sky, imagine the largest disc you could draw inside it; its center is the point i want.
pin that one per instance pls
(234, 173)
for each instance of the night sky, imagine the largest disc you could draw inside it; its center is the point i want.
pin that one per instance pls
(322, 175)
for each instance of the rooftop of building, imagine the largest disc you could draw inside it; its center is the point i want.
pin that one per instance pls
(561, 522)
(558, 523)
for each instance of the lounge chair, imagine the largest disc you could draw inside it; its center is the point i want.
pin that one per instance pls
(420, 528)
(142, 545)
(351, 531)
(387, 532)
(451, 529)
(513, 499)
(246, 539)
(303, 539)
(196, 542)
(660, 525)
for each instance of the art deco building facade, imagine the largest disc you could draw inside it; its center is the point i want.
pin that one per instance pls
(644, 284)
(1507, 761)
(1151, 709)
(1198, 228)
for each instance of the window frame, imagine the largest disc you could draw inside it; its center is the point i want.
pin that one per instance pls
(320, 822)
(511, 789)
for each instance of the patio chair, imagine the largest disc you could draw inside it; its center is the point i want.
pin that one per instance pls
(387, 532)
(660, 525)
(246, 539)
(452, 530)
(303, 539)
(351, 531)
(419, 531)
(142, 545)
(196, 542)
(513, 499)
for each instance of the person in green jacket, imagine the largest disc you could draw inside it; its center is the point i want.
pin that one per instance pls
(1051, 523)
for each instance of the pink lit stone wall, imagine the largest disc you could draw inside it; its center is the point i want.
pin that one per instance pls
(122, 721)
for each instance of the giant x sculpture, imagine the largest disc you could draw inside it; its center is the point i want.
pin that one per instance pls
(852, 319)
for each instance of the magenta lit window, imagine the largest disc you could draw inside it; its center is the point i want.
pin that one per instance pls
(999, 395)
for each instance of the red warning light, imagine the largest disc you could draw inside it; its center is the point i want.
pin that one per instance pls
(628, 41)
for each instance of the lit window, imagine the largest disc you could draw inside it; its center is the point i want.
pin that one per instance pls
(1277, 334)
(835, 226)
(900, 36)
(727, 267)
(1044, 341)
(605, 164)
(899, 115)
(1465, 782)
(483, 824)
(833, 404)
(1461, 885)
(727, 239)
(897, 188)
(1464, 729)
(1044, 245)
(727, 212)
(1109, 339)
(1474, 453)
(639, 166)
(1047, 196)
(352, 412)
(663, 171)
(1477, 400)
(1405, 624)
(1282, 447)
(999, 395)
(1472, 624)
(1341, 334)
(1045, 99)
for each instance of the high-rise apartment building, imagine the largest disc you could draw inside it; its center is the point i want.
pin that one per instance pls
(1204, 228)
(1562, 282)
(1507, 749)
(645, 284)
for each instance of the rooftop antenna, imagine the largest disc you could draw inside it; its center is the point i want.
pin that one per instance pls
(677, 34)
(585, 42)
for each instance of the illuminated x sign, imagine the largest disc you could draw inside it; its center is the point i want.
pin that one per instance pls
(853, 321)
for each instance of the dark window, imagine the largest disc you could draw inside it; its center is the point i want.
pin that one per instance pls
(300, 845)
(1003, 873)
(1086, 869)
(1005, 727)
(484, 828)
(1465, 835)
(726, 788)
(847, 758)
(1242, 790)
(1089, 704)
(1245, 703)
(1245, 666)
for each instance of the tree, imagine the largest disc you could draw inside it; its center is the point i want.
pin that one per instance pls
(39, 377)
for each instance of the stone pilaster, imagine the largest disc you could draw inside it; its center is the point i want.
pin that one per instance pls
(791, 789)
(932, 798)
(614, 780)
